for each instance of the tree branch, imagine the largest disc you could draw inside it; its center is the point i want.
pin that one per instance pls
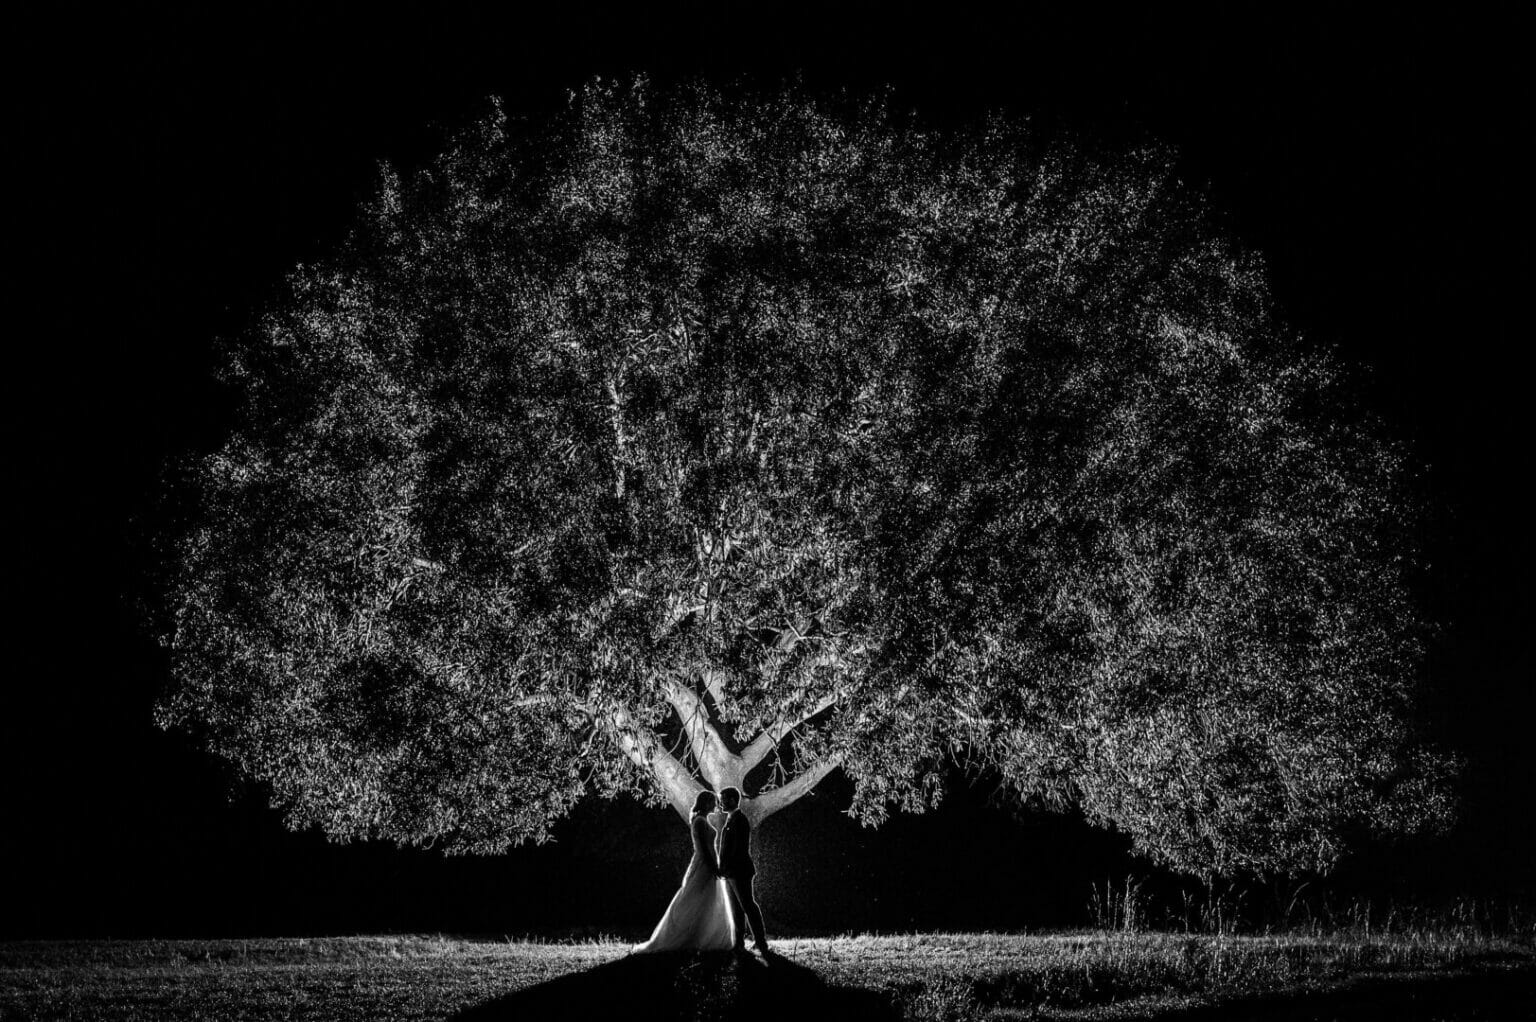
(703, 739)
(550, 699)
(771, 801)
(620, 439)
(714, 684)
(792, 633)
(677, 613)
(645, 750)
(758, 749)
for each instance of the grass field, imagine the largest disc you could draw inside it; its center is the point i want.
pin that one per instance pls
(924, 978)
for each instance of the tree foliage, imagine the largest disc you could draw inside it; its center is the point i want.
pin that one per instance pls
(695, 440)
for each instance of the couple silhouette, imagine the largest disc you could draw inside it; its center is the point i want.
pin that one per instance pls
(715, 904)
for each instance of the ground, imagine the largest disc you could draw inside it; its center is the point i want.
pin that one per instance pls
(921, 977)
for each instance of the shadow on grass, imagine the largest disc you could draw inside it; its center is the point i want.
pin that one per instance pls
(1488, 995)
(692, 986)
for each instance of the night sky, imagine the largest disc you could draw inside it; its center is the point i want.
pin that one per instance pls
(173, 169)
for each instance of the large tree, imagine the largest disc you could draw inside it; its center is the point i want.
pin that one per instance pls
(689, 441)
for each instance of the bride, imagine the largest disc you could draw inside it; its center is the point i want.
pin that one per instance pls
(699, 918)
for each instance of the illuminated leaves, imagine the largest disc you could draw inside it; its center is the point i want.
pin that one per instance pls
(919, 447)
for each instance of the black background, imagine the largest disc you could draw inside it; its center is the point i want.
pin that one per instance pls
(173, 167)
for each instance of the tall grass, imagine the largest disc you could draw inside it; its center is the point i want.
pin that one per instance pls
(1125, 905)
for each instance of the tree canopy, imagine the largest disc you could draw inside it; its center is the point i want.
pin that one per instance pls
(690, 441)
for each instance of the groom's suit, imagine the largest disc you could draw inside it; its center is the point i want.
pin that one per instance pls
(735, 855)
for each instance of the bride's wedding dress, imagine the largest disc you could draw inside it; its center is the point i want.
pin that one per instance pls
(699, 918)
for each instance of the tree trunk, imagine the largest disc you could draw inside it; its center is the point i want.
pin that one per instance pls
(717, 766)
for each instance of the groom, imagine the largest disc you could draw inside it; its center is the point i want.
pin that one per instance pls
(735, 855)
